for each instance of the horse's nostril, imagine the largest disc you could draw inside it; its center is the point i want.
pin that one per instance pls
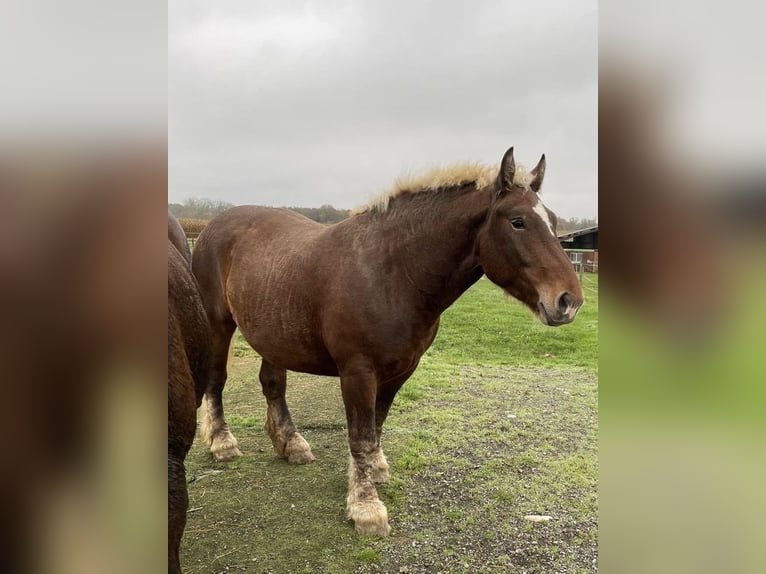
(564, 302)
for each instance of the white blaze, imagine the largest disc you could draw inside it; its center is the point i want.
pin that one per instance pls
(540, 210)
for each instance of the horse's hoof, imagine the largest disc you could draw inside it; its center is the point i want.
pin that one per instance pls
(301, 458)
(224, 454)
(225, 447)
(298, 451)
(370, 518)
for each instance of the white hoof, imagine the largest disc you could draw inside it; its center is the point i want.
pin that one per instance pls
(298, 451)
(225, 447)
(370, 517)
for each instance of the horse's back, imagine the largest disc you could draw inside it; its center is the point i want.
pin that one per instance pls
(248, 223)
(248, 232)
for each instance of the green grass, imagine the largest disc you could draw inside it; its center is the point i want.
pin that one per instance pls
(716, 376)
(483, 328)
(499, 421)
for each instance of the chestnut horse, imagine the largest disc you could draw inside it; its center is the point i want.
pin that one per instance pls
(362, 298)
(177, 237)
(188, 365)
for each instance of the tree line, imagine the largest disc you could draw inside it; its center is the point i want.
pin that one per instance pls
(206, 209)
(575, 223)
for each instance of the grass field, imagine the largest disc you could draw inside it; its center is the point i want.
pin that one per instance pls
(498, 422)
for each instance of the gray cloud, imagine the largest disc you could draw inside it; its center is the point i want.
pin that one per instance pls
(309, 103)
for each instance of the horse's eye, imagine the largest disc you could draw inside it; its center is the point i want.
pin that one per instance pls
(518, 223)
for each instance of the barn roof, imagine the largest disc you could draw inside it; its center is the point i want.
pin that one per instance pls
(572, 234)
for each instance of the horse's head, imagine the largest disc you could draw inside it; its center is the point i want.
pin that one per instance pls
(519, 250)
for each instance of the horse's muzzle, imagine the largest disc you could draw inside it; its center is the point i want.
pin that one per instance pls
(564, 309)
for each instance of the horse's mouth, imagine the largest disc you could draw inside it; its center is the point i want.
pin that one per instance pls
(555, 319)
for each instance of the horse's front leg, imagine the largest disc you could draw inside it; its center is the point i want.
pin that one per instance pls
(359, 386)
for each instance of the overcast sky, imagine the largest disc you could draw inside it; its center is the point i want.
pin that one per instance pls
(310, 103)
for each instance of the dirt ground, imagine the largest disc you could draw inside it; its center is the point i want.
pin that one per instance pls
(473, 450)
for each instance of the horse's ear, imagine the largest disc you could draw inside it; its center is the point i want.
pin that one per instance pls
(507, 171)
(538, 174)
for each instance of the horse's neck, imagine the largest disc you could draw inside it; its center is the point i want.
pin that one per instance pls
(434, 248)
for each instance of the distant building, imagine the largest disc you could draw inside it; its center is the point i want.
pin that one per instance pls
(582, 248)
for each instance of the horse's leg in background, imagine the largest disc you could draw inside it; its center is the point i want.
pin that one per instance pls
(358, 384)
(384, 399)
(182, 423)
(178, 502)
(288, 442)
(214, 430)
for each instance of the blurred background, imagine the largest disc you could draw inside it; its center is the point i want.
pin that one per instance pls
(83, 191)
(682, 203)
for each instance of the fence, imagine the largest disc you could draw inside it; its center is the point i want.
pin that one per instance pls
(583, 260)
(191, 239)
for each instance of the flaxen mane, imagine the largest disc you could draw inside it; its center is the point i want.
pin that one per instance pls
(441, 177)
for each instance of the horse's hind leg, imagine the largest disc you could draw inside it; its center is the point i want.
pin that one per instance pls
(214, 430)
(288, 442)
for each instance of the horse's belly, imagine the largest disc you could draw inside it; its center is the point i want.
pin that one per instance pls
(294, 349)
(306, 360)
